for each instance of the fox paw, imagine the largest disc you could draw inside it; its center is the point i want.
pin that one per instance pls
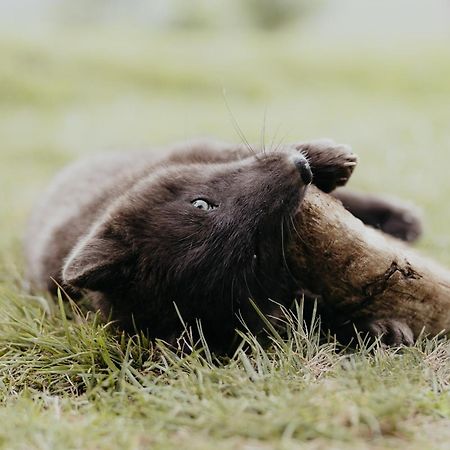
(332, 164)
(390, 332)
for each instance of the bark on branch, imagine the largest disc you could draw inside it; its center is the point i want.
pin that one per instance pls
(363, 273)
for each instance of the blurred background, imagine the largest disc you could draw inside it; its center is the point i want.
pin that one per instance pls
(80, 77)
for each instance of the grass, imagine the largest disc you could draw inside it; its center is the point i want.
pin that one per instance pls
(68, 381)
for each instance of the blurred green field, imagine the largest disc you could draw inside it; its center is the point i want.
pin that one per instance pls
(72, 384)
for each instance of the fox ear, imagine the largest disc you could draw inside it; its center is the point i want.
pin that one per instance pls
(97, 262)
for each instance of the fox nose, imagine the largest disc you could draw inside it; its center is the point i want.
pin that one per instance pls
(303, 168)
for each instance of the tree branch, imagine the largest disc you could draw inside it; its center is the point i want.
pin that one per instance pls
(362, 273)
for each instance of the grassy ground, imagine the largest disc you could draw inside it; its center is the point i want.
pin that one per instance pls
(67, 382)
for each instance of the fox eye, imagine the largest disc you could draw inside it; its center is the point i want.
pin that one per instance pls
(199, 203)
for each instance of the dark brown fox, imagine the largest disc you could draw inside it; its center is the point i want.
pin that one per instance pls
(203, 227)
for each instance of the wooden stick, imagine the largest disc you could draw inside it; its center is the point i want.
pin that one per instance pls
(362, 273)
